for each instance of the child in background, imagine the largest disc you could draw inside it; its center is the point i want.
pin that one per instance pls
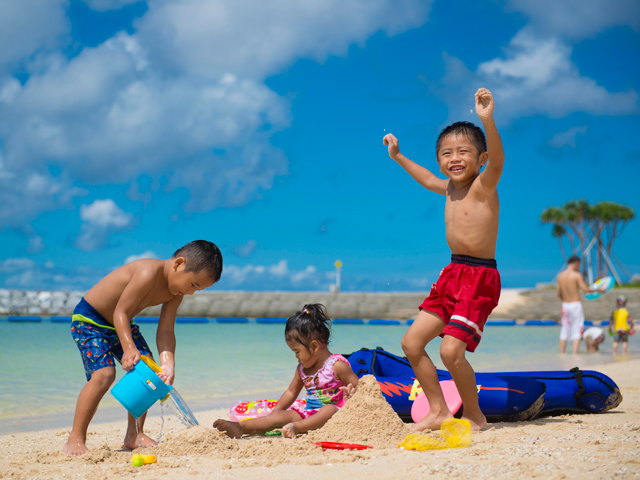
(327, 378)
(468, 289)
(620, 325)
(104, 331)
(593, 337)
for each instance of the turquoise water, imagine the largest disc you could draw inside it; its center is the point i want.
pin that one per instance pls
(218, 364)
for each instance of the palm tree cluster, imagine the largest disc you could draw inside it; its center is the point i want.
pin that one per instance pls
(583, 226)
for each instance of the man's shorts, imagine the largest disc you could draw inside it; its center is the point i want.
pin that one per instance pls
(572, 321)
(97, 339)
(466, 292)
(621, 336)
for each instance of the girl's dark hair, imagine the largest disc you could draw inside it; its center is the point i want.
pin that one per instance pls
(308, 325)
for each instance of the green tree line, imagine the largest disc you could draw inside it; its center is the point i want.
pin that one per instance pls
(576, 224)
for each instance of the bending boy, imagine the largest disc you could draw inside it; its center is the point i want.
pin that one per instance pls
(103, 330)
(468, 289)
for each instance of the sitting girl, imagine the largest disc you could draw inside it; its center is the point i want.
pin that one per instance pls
(328, 379)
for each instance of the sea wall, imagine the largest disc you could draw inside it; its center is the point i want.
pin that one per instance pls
(514, 304)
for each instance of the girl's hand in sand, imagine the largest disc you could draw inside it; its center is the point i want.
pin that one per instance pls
(168, 373)
(484, 103)
(392, 141)
(349, 390)
(130, 358)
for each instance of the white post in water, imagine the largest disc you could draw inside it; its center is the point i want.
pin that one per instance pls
(338, 265)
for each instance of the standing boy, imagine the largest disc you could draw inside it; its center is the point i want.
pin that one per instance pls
(621, 325)
(570, 282)
(103, 330)
(469, 288)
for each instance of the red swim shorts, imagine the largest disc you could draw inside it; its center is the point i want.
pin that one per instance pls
(466, 292)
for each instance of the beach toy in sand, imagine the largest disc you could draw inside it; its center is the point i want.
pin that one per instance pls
(341, 446)
(140, 388)
(420, 406)
(607, 282)
(138, 460)
(455, 432)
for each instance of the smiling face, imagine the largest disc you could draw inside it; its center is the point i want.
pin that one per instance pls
(305, 356)
(182, 282)
(459, 158)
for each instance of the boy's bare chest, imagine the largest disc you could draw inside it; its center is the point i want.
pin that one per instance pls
(156, 296)
(462, 209)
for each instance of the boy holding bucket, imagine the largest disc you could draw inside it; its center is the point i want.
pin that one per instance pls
(103, 330)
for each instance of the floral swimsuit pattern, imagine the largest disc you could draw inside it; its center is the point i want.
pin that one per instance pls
(323, 388)
(98, 341)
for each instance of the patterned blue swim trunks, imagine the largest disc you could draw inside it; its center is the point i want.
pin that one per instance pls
(98, 341)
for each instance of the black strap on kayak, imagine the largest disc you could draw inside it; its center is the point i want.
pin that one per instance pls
(577, 373)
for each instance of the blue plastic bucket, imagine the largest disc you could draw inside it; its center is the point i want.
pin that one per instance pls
(140, 388)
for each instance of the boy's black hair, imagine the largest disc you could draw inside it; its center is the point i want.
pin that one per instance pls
(308, 325)
(201, 255)
(573, 259)
(466, 129)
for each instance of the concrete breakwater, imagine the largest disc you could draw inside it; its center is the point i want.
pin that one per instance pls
(514, 304)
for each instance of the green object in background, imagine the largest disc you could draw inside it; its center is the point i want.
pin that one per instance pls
(273, 433)
(137, 462)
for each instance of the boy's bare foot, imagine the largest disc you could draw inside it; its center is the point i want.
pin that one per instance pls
(477, 423)
(142, 440)
(232, 429)
(75, 447)
(290, 430)
(431, 422)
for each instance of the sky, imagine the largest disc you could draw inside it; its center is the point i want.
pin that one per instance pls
(129, 128)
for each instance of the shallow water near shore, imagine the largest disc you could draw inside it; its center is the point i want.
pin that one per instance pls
(220, 364)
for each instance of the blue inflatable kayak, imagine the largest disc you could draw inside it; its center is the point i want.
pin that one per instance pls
(510, 396)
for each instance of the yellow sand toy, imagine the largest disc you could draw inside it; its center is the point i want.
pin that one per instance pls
(140, 460)
(456, 434)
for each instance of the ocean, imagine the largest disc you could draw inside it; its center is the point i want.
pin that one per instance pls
(218, 365)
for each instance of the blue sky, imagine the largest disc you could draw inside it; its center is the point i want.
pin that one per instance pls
(128, 128)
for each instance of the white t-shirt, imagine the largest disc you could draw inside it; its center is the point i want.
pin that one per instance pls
(592, 333)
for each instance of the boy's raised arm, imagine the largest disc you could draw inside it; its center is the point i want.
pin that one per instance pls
(493, 171)
(422, 175)
(139, 286)
(166, 339)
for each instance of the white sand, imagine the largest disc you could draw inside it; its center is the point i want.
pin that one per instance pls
(572, 446)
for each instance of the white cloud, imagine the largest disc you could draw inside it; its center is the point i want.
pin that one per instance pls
(36, 244)
(101, 219)
(274, 277)
(25, 273)
(27, 26)
(577, 19)
(24, 194)
(185, 90)
(247, 249)
(567, 138)
(13, 265)
(256, 39)
(104, 5)
(133, 258)
(535, 76)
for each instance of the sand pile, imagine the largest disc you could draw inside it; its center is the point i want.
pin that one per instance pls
(203, 441)
(366, 418)
(200, 440)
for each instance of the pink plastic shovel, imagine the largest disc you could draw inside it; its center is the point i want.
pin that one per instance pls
(420, 406)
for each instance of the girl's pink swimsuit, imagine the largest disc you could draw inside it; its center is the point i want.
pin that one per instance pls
(323, 388)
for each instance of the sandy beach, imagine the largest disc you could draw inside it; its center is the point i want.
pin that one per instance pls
(569, 446)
